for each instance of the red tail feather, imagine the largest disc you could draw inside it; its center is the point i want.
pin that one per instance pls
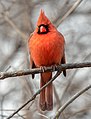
(46, 96)
(49, 97)
(42, 101)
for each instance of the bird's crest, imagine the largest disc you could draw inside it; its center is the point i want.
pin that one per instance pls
(42, 19)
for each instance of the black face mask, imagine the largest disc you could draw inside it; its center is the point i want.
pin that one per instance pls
(45, 27)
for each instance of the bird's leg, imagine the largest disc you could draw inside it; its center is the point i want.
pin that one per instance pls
(54, 67)
(43, 68)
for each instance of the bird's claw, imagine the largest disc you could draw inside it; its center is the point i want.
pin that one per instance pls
(43, 68)
(54, 67)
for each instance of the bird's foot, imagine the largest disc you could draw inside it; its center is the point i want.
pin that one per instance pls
(43, 68)
(54, 67)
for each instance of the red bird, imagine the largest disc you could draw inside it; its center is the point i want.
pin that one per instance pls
(46, 47)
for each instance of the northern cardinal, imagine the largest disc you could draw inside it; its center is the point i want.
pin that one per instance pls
(46, 47)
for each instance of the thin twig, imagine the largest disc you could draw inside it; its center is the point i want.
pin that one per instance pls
(69, 12)
(59, 68)
(8, 20)
(34, 96)
(11, 56)
(79, 111)
(61, 109)
(4, 75)
(42, 115)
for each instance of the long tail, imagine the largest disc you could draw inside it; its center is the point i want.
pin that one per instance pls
(46, 96)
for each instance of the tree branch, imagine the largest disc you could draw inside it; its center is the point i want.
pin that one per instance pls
(8, 20)
(59, 68)
(4, 75)
(61, 109)
(34, 96)
(59, 21)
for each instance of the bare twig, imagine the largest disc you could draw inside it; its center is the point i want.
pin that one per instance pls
(42, 115)
(72, 77)
(57, 97)
(61, 109)
(61, 67)
(59, 21)
(79, 111)
(8, 20)
(10, 57)
(34, 96)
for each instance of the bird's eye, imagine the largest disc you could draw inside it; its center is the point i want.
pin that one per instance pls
(43, 29)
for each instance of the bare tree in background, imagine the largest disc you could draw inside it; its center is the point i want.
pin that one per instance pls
(17, 21)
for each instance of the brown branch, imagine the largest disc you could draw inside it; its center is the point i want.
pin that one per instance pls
(87, 108)
(59, 21)
(9, 21)
(61, 109)
(4, 75)
(34, 96)
(58, 68)
(18, 45)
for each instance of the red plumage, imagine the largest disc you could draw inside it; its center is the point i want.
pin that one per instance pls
(46, 47)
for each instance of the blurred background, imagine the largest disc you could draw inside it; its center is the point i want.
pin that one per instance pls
(17, 21)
